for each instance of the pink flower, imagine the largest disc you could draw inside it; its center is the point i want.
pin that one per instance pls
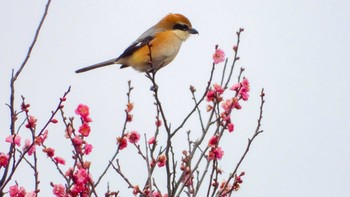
(218, 56)
(59, 190)
(39, 140)
(84, 129)
(31, 122)
(156, 194)
(161, 160)
(242, 88)
(50, 152)
(152, 140)
(60, 160)
(17, 192)
(27, 144)
(129, 107)
(14, 139)
(215, 153)
(83, 111)
(77, 141)
(123, 143)
(230, 127)
(215, 94)
(213, 141)
(4, 159)
(136, 190)
(88, 148)
(81, 176)
(158, 123)
(133, 137)
(31, 194)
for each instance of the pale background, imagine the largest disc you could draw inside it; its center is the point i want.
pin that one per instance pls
(297, 50)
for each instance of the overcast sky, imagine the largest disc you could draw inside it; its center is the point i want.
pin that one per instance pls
(297, 50)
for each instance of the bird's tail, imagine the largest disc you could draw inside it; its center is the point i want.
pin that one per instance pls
(102, 64)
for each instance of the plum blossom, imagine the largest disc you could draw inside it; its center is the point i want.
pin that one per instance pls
(14, 139)
(215, 153)
(133, 137)
(218, 56)
(4, 159)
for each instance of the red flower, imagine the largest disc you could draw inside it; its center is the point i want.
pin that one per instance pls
(50, 152)
(27, 144)
(14, 139)
(59, 190)
(218, 56)
(136, 190)
(60, 160)
(215, 153)
(230, 127)
(84, 129)
(4, 159)
(123, 143)
(161, 160)
(83, 111)
(88, 148)
(214, 141)
(152, 140)
(158, 123)
(31, 122)
(133, 137)
(17, 192)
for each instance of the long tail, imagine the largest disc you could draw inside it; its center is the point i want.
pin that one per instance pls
(102, 64)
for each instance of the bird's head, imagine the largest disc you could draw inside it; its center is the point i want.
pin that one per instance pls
(177, 23)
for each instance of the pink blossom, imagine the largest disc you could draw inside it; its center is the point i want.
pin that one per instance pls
(218, 56)
(83, 111)
(17, 192)
(4, 159)
(31, 194)
(39, 140)
(215, 93)
(156, 194)
(210, 95)
(59, 190)
(230, 127)
(84, 129)
(31, 122)
(14, 139)
(81, 176)
(77, 141)
(158, 123)
(218, 89)
(215, 153)
(60, 160)
(123, 143)
(161, 160)
(213, 141)
(152, 140)
(50, 152)
(88, 148)
(27, 144)
(133, 137)
(136, 190)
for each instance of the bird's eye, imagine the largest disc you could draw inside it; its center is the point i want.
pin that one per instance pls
(182, 27)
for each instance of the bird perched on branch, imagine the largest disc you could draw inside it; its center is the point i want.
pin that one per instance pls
(155, 48)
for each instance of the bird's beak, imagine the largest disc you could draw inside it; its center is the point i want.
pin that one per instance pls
(193, 31)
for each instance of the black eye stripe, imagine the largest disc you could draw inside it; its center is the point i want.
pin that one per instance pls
(182, 27)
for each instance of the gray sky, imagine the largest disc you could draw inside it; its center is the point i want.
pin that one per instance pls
(297, 50)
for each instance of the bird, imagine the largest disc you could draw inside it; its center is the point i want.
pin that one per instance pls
(155, 48)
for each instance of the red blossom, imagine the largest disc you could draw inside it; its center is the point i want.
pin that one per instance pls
(84, 129)
(14, 139)
(27, 144)
(218, 56)
(83, 111)
(129, 117)
(4, 159)
(136, 190)
(215, 93)
(31, 122)
(54, 121)
(77, 141)
(158, 123)
(17, 192)
(215, 153)
(123, 143)
(129, 107)
(60, 160)
(50, 152)
(88, 148)
(230, 127)
(161, 160)
(59, 190)
(152, 140)
(133, 137)
(213, 141)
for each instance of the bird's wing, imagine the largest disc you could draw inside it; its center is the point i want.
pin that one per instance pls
(135, 46)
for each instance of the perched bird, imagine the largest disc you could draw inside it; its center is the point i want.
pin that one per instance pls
(163, 40)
